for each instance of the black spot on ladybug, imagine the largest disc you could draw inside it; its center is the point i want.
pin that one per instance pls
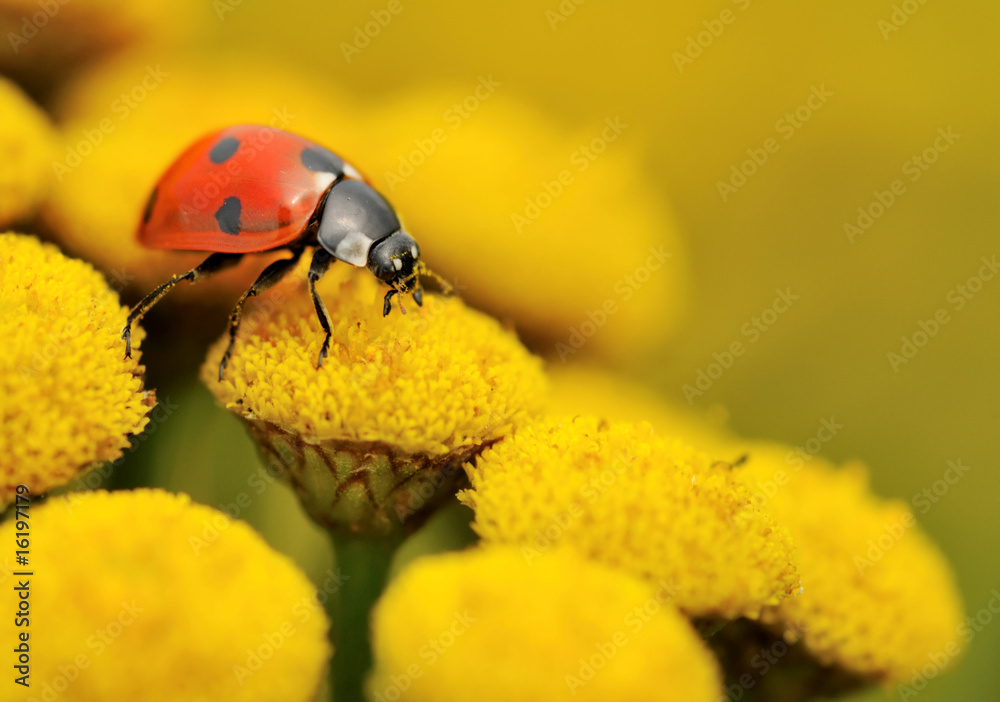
(284, 217)
(224, 149)
(148, 212)
(228, 216)
(322, 161)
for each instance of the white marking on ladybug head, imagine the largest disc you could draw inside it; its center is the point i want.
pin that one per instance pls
(352, 172)
(397, 264)
(413, 250)
(353, 249)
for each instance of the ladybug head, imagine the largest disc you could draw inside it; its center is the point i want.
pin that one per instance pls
(395, 261)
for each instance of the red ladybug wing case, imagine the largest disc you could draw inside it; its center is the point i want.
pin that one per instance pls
(242, 189)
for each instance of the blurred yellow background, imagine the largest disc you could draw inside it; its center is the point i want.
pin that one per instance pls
(827, 174)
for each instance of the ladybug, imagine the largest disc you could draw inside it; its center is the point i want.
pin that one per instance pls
(248, 189)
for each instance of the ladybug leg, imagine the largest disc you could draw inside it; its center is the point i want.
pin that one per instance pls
(387, 302)
(213, 264)
(321, 261)
(269, 277)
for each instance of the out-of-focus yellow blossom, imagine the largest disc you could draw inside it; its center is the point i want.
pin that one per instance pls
(27, 146)
(68, 396)
(559, 231)
(879, 600)
(162, 600)
(487, 625)
(103, 187)
(50, 39)
(651, 506)
(582, 388)
(398, 404)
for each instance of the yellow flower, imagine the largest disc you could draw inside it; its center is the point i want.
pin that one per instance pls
(559, 231)
(879, 600)
(68, 396)
(160, 599)
(487, 625)
(103, 186)
(651, 506)
(399, 403)
(49, 40)
(27, 146)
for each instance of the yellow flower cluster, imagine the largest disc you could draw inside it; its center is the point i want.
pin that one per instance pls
(439, 378)
(379, 431)
(879, 599)
(487, 625)
(651, 506)
(68, 396)
(145, 596)
(27, 147)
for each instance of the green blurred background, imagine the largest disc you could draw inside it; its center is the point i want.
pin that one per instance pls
(700, 84)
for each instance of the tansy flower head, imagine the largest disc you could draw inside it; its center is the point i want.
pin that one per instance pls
(879, 600)
(487, 625)
(27, 145)
(542, 225)
(68, 396)
(651, 506)
(380, 430)
(159, 599)
(103, 187)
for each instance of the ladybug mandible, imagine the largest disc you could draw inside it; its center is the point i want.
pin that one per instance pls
(248, 189)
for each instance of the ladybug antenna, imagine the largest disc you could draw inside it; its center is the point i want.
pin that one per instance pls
(446, 287)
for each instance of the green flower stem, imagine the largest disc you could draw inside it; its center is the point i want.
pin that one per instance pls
(365, 562)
